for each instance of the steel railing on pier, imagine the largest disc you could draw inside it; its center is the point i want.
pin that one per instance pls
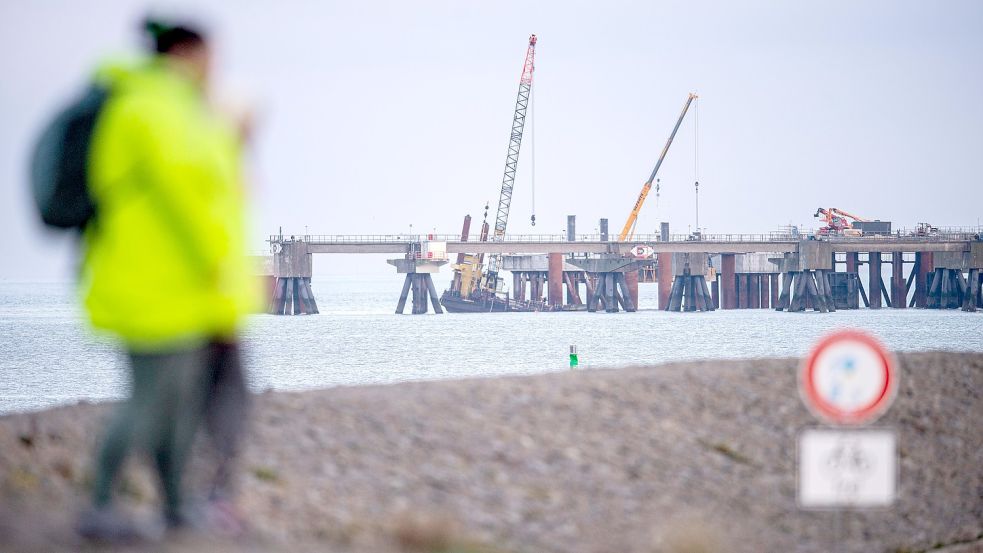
(913, 235)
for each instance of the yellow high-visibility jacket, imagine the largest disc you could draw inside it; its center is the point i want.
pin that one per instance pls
(165, 257)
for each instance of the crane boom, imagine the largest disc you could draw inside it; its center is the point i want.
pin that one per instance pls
(837, 211)
(512, 157)
(629, 229)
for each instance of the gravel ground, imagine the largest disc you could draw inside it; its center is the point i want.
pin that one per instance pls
(682, 457)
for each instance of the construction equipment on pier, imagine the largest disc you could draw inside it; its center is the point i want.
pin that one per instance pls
(474, 289)
(837, 223)
(629, 229)
(926, 229)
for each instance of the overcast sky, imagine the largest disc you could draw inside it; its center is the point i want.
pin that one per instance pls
(376, 115)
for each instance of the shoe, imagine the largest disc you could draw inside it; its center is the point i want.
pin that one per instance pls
(215, 517)
(108, 525)
(225, 518)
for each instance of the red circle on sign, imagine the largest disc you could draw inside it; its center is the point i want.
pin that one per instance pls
(823, 408)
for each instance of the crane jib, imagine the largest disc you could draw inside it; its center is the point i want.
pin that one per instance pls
(512, 157)
(665, 149)
(629, 228)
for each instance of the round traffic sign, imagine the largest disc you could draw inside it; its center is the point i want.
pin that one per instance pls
(848, 378)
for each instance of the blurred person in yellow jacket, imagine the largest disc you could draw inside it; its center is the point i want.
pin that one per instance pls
(164, 267)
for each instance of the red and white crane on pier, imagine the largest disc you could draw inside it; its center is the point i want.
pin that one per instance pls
(512, 160)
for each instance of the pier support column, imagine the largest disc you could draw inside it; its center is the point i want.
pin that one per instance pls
(535, 288)
(742, 291)
(948, 288)
(293, 296)
(899, 290)
(292, 269)
(665, 279)
(934, 288)
(418, 284)
(925, 267)
(690, 293)
(972, 296)
(852, 262)
(623, 292)
(808, 289)
(631, 281)
(764, 291)
(754, 291)
(573, 287)
(784, 299)
(715, 292)
(555, 279)
(609, 291)
(874, 279)
(774, 290)
(728, 284)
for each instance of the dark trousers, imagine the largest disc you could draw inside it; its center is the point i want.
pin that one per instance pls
(226, 409)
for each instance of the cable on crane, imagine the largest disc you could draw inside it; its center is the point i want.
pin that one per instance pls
(696, 159)
(532, 128)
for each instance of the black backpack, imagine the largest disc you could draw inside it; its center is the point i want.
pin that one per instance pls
(59, 165)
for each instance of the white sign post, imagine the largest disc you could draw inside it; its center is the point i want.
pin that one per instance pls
(848, 380)
(847, 468)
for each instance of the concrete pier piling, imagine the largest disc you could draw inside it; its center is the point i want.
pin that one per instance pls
(805, 281)
(690, 291)
(807, 289)
(612, 281)
(754, 291)
(899, 289)
(951, 289)
(293, 296)
(418, 266)
(555, 278)
(845, 289)
(423, 292)
(972, 299)
(728, 282)
(545, 282)
(852, 262)
(774, 289)
(874, 279)
(953, 279)
(611, 293)
(292, 271)
(665, 279)
(923, 267)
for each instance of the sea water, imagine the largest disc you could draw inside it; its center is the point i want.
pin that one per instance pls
(49, 356)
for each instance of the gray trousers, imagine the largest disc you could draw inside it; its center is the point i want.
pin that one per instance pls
(160, 417)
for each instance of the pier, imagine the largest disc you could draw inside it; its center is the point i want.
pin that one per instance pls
(782, 271)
